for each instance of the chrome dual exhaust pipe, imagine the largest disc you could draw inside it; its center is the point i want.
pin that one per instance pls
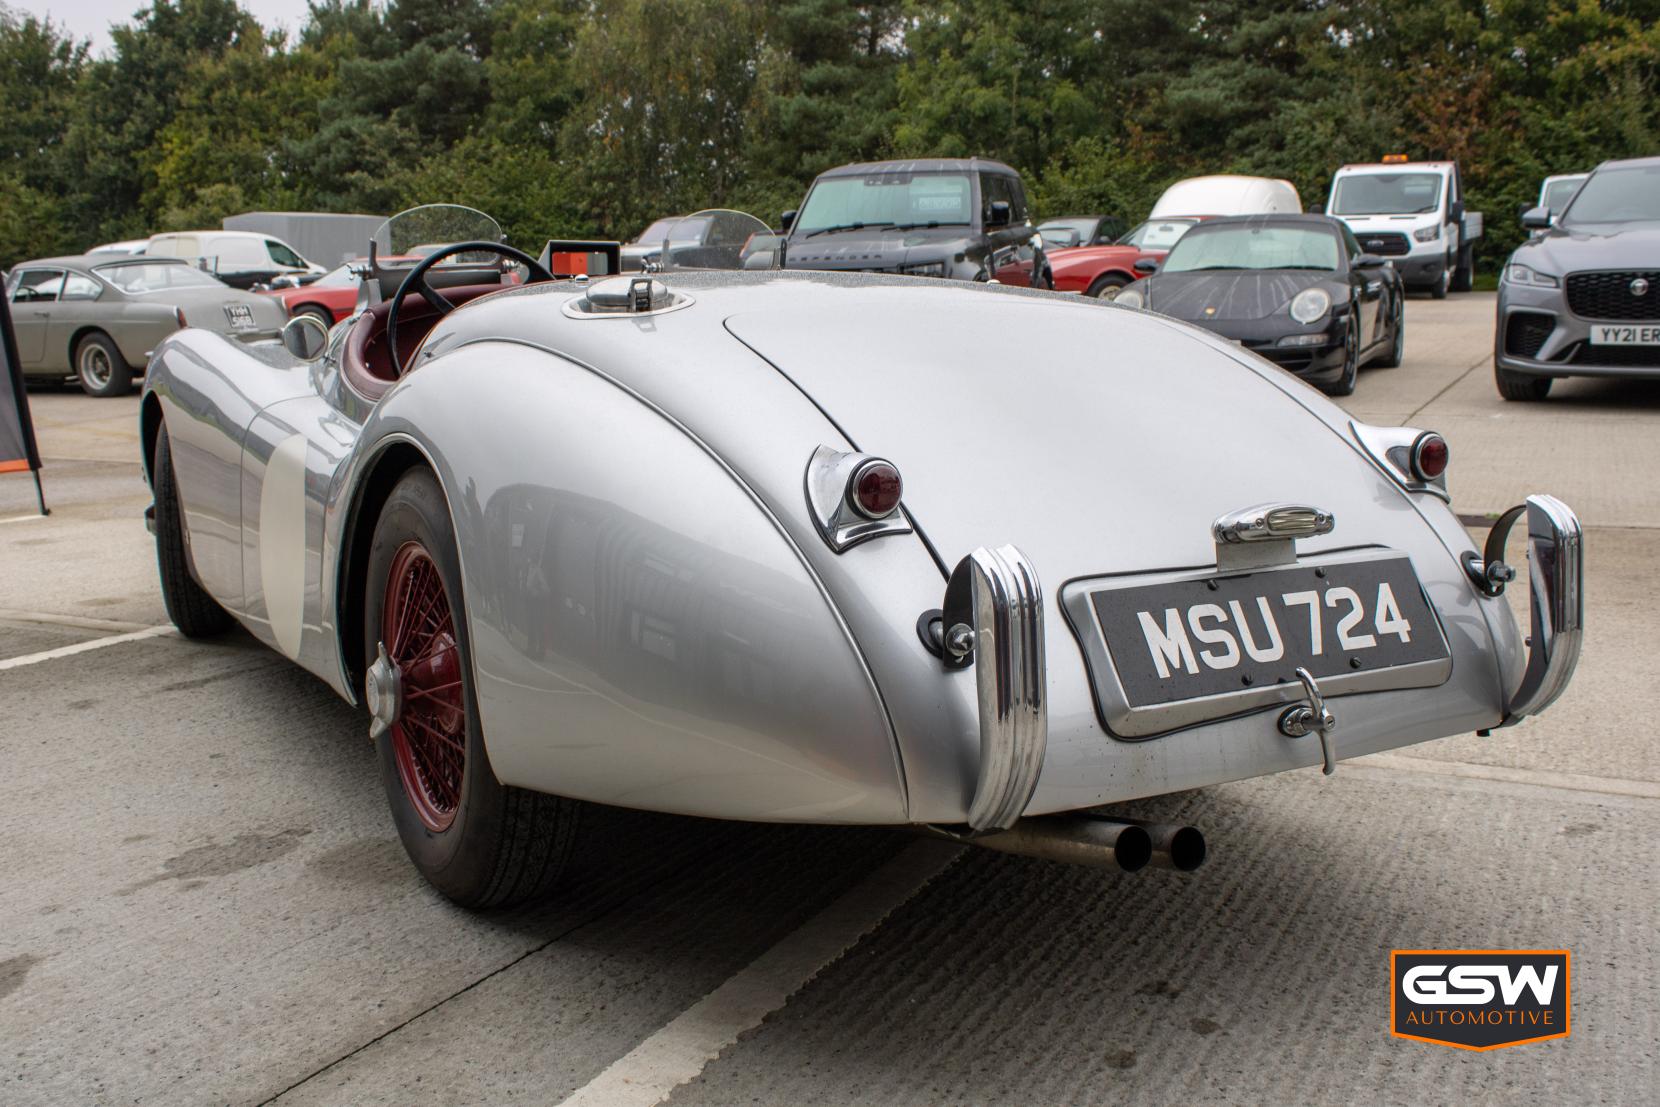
(1174, 846)
(1098, 842)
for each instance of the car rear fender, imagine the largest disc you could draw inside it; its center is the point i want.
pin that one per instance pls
(644, 630)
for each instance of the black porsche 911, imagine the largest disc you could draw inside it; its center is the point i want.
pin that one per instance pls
(1296, 289)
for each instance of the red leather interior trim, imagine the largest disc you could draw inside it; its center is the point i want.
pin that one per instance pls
(367, 358)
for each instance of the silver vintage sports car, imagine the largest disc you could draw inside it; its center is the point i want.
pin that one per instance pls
(1583, 298)
(823, 547)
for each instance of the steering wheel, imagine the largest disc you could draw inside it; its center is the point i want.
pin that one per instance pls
(417, 282)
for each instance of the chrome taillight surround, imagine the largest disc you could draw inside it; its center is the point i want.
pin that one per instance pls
(840, 521)
(1396, 450)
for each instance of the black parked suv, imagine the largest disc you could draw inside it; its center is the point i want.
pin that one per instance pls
(962, 218)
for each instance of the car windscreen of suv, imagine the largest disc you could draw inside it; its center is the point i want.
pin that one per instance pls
(1387, 194)
(1627, 194)
(888, 199)
(673, 230)
(156, 276)
(1253, 248)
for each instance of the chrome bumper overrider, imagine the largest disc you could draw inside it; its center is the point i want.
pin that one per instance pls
(993, 619)
(1556, 572)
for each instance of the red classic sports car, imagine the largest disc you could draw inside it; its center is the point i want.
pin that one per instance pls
(333, 296)
(1103, 270)
(330, 297)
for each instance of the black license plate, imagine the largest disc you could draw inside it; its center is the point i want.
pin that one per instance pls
(1183, 639)
(241, 316)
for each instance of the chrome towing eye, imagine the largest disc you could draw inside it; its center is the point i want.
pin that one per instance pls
(1312, 715)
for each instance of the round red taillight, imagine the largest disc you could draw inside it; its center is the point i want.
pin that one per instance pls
(874, 489)
(1430, 456)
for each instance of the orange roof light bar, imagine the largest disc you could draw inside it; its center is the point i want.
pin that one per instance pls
(1390, 159)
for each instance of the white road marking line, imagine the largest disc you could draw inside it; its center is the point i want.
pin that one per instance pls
(679, 1051)
(24, 518)
(115, 626)
(1572, 782)
(83, 647)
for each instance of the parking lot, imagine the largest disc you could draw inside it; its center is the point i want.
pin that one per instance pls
(205, 899)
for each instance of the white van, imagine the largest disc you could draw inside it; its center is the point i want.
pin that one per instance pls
(1226, 194)
(239, 258)
(1413, 214)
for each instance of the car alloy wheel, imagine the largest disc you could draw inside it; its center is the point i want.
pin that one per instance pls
(95, 368)
(1107, 288)
(429, 736)
(1344, 385)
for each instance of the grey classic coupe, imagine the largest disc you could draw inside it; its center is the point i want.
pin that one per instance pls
(1583, 298)
(757, 545)
(100, 316)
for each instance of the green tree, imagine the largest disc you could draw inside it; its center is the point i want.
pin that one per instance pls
(668, 86)
(227, 147)
(123, 105)
(40, 66)
(826, 95)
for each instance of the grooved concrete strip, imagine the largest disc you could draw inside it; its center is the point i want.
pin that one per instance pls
(1261, 979)
(679, 1051)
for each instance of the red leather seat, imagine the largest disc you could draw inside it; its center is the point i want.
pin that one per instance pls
(367, 358)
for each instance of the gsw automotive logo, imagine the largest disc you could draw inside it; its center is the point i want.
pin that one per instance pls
(1478, 998)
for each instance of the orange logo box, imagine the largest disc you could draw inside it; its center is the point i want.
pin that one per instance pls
(1479, 999)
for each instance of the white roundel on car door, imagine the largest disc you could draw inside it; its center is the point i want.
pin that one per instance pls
(282, 542)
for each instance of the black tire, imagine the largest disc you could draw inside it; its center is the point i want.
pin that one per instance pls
(1442, 283)
(1392, 357)
(501, 846)
(1464, 277)
(100, 367)
(1107, 286)
(1345, 384)
(193, 611)
(1519, 386)
(317, 311)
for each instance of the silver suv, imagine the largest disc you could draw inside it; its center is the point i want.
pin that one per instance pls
(1583, 298)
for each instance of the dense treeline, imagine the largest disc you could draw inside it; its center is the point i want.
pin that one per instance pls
(592, 116)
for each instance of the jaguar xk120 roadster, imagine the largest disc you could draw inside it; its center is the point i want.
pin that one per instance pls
(820, 547)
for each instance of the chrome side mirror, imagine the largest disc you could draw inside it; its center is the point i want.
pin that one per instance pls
(305, 337)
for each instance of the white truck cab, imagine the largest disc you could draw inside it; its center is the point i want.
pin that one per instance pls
(1413, 214)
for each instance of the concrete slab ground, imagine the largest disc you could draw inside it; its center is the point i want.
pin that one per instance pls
(203, 899)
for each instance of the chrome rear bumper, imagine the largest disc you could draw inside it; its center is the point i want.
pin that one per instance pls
(995, 594)
(1556, 573)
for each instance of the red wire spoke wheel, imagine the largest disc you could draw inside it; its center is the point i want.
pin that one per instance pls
(429, 740)
(482, 843)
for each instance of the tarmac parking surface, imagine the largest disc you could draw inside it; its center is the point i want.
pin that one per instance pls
(203, 898)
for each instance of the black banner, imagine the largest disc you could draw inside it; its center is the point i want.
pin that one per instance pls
(17, 434)
(1479, 999)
